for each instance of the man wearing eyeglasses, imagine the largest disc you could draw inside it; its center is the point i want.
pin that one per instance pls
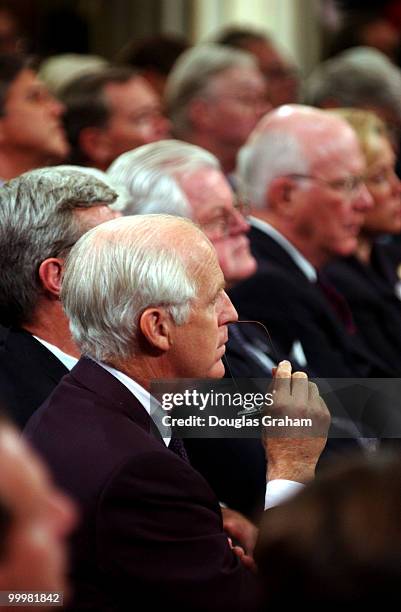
(303, 172)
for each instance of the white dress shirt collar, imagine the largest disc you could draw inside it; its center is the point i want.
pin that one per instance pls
(303, 264)
(68, 360)
(142, 395)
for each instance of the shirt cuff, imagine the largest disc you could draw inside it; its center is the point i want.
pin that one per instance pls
(279, 490)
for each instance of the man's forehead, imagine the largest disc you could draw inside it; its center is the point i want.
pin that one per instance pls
(207, 190)
(338, 157)
(133, 91)
(235, 76)
(26, 78)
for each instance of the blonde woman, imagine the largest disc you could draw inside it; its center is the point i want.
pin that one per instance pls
(368, 279)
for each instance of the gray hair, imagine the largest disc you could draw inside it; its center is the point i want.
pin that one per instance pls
(117, 270)
(355, 78)
(192, 76)
(264, 157)
(123, 198)
(149, 175)
(37, 221)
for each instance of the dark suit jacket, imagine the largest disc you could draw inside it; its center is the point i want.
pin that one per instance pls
(28, 373)
(386, 260)
(151, 527)
(293, 308)
(376, 310)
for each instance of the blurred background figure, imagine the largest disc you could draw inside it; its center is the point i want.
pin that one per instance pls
(31, 131)
(11, 39)
(282, 78)
(338, 541)
(109, 112)
(35, 520)
(370, 27)
(369, 278)
(215, 96)
(154, 57)
(362, 78)
(58, 70)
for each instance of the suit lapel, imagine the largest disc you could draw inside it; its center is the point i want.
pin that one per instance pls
(87, 373)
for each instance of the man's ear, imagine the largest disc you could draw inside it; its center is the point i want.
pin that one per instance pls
(96, 145)
(280, 196)
(155, 325)
(50, 274)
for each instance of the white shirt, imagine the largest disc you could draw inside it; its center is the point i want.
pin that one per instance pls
(140, 393)
(68, 360)
(297, 351)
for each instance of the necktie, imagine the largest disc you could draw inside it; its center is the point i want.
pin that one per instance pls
(337, 302)
(177, 446)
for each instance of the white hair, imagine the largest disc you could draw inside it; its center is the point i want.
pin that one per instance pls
(264, 157)
(117, 270)
(150, 175)
(192, 75)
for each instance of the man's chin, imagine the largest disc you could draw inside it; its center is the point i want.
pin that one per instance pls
(218, 370)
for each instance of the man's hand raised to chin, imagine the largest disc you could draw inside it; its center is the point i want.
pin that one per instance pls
(292, 451)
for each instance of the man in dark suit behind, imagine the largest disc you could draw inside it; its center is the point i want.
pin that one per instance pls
(302, 172)
(145, 298)
(42, 214)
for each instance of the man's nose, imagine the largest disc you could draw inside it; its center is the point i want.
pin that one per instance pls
(228, 313)
(363, 200)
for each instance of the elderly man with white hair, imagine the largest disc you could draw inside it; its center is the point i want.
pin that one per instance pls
(145, 298)
(303, 172)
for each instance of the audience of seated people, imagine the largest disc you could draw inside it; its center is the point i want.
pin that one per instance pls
(140, 501)
(178, 178)
(310, 265)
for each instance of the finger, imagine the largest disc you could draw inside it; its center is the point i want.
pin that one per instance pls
(282, 378)
(313, 391)
(299, 387)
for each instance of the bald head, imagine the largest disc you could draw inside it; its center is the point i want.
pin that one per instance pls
(292, 139)
(303, 171)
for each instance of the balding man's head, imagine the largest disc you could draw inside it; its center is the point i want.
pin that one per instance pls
(304, 168)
